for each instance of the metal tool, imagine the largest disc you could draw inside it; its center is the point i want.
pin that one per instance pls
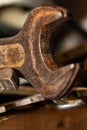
(8, 79)
(25, 99)
(29, 53)
(76, 97)
(21, 102)
(67, 104)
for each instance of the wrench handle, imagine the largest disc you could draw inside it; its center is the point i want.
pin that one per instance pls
(11, 54)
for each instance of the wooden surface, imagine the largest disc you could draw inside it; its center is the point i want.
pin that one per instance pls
(45, 117)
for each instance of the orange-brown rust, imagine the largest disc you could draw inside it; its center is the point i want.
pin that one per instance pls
(31, 56)
(11, 55)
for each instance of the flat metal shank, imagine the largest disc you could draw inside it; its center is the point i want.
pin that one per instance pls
(38, 66)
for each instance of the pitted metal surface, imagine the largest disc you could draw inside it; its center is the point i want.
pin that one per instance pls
(38, 65)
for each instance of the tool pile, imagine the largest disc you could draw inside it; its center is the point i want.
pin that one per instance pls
(52, 75)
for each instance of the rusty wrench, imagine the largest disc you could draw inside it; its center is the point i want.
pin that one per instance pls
(29, 53)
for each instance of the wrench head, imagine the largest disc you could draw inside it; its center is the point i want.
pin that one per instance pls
(39, 67)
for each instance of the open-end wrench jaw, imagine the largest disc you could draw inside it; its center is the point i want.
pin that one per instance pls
(43, 73)
(35, 59)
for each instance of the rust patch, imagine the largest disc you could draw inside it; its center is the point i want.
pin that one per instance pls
(39, 67)
(11, 55)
